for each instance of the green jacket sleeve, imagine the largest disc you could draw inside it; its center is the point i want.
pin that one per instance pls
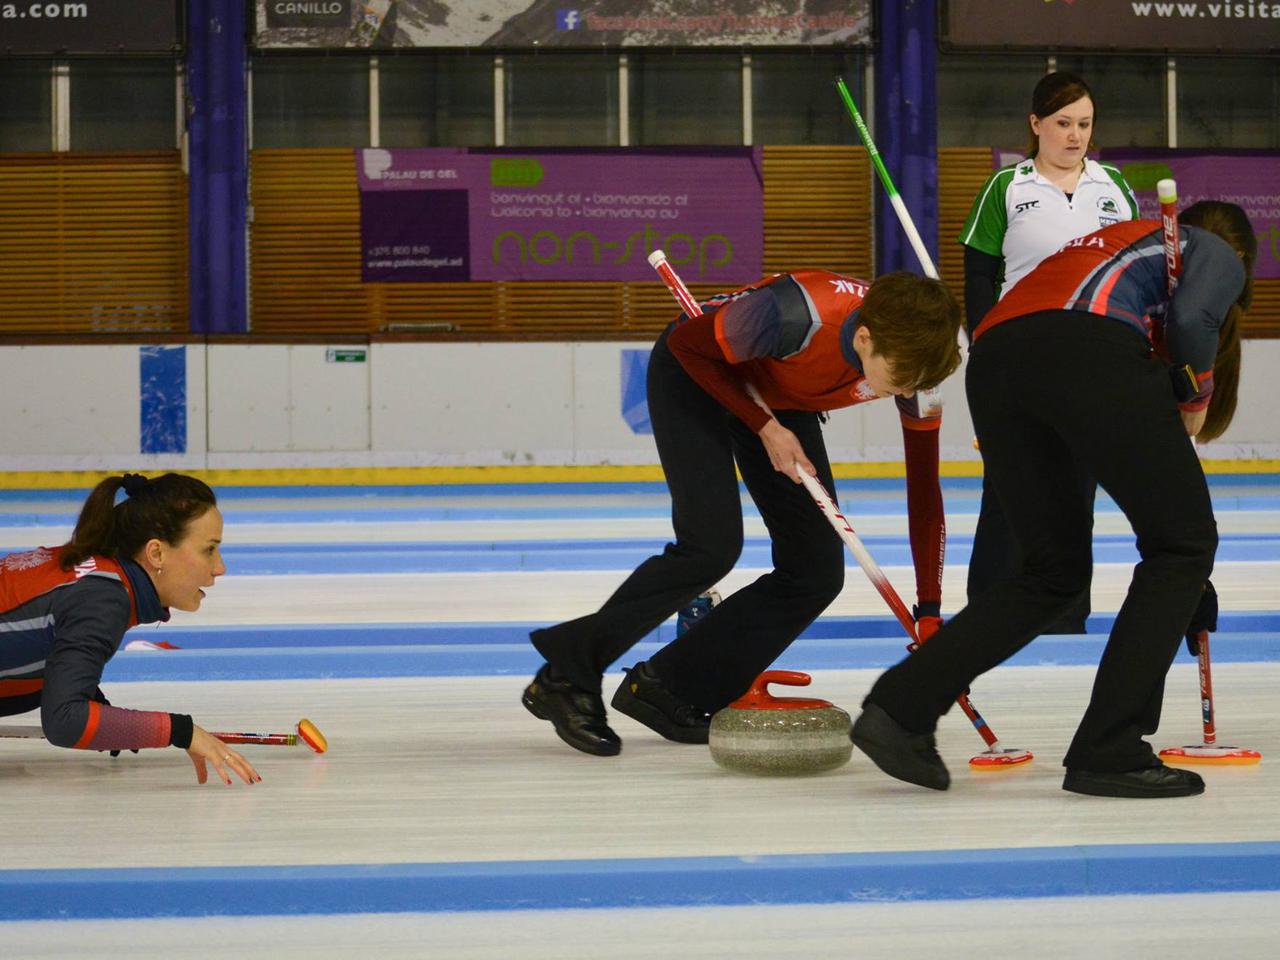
(988, 220)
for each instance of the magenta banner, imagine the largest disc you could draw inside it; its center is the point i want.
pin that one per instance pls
(1248, 178)
(441, 214)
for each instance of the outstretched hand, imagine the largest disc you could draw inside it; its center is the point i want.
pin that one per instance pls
(785, 451)
(207, 749)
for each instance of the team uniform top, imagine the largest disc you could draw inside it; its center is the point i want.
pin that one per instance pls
(1022, 217)
(58, 628)
(790, 336)
(1119, 272)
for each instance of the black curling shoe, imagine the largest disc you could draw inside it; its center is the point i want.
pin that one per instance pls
(912, 757)
(1149, 782)
(642, 697)
(577, 714)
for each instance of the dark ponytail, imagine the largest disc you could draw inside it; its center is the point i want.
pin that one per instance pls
(1229, 222)
(159, 509)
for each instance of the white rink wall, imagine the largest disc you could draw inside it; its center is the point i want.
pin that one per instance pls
(412, 404)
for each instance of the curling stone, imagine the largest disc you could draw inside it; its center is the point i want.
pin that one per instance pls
(780, 736)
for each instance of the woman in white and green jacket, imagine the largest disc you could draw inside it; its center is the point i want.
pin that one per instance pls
(1022, 214)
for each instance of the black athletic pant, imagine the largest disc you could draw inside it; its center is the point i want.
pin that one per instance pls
(996, 555)
(713, 663)
(1054, 395)
(21, 703)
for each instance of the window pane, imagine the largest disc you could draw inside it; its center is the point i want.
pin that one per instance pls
(562, 100)
(26, 116)
(123, 104)
(1129, 94)
(983, 101)
(436, 101)
(310, 102)
(686, 98)
(794, 98)
(1228, 102)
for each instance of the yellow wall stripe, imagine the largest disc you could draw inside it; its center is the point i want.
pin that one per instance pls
(431, 476)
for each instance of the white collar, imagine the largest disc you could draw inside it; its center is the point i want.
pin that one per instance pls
(1025, 170)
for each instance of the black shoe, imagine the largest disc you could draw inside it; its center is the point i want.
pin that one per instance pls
(577, 714)
(642, 697)
(912, 757)
(1157, 781)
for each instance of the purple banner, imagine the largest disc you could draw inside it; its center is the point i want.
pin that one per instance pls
(440, 214)
(1249, 179)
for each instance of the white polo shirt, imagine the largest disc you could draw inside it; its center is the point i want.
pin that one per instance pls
(1022, 217)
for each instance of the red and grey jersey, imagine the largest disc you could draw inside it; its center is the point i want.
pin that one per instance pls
(790, 337)
(1119, 272)
(58, 629)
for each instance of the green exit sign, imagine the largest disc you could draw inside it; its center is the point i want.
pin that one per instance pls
(339, 355)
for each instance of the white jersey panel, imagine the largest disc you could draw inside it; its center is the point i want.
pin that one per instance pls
(1041, 218)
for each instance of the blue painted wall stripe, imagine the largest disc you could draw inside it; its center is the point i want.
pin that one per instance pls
(363, 656)
(654, 882)
(163, 387)
(1257, 631)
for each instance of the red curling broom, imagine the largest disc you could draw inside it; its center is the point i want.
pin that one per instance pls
(1208, 752)
(304, 732)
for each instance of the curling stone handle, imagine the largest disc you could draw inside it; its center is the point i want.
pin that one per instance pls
(759, 692)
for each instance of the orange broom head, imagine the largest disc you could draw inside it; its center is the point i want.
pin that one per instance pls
(1215, 756)
(310, 735)
(1000, 759)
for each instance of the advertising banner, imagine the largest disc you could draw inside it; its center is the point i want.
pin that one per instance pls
(1247, 178)
(48, 27)
(1097, 26)
(564, 24)
(445, 214)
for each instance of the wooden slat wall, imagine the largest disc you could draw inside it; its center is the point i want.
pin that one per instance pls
(97, 243)
(305, 255)
(1264, 315)
(93, 243)
(962, 171)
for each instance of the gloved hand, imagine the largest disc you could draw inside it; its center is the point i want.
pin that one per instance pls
(1205, 618)
(928, 617)
(100, 697)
